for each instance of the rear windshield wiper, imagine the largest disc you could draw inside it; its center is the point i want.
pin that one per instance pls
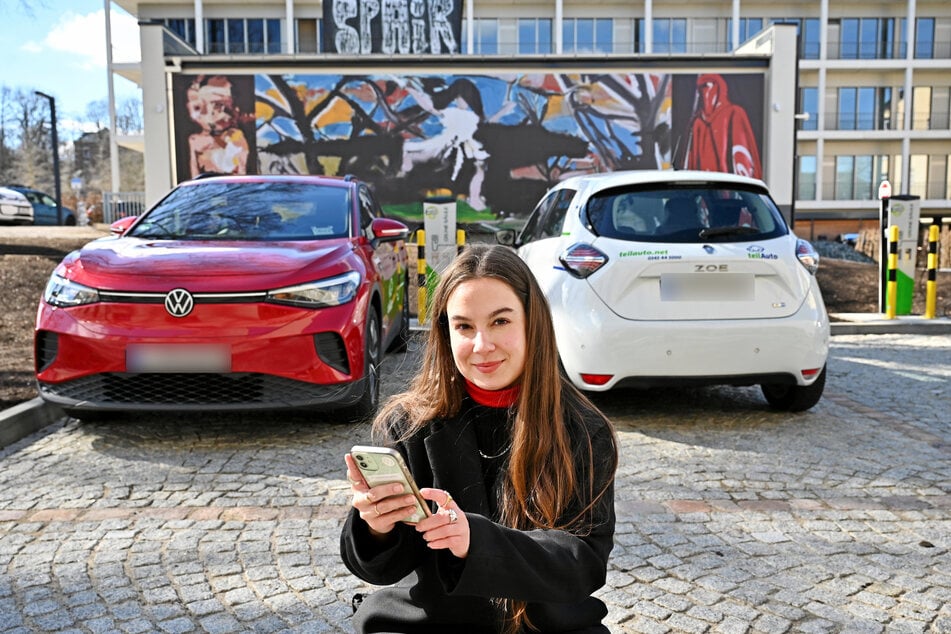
(739, 230)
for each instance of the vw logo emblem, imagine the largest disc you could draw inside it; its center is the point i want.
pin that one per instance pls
(179, 302)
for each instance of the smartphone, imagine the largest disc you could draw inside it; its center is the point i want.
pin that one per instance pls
(382, 465)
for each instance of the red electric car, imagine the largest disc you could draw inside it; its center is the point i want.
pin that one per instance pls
(233, 292)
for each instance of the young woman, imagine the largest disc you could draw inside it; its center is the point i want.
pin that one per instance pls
(518, 462)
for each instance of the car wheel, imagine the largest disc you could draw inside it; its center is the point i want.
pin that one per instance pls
(372, 357)
(795, 398)
(399, 344)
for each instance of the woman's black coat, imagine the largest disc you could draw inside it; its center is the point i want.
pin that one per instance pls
(554, 571)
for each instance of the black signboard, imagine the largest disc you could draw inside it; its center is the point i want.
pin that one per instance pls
(392, 27)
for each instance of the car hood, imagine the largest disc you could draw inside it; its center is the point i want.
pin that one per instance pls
(204, 266)
(748, 280)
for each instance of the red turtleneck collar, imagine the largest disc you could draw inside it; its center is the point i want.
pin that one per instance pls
(493, 398)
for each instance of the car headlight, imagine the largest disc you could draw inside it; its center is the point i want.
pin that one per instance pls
(65, 293)
(332, 291)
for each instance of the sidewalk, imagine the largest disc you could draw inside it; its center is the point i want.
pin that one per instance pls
(878, 324)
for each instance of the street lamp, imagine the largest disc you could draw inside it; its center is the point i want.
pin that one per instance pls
(59, 202)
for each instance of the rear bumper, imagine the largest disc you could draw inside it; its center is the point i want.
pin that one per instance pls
(740, 352)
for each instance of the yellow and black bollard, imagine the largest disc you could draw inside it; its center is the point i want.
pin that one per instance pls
(892, 284)
(421, 276)
(931, 288)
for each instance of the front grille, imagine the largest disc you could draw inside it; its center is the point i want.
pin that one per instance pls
(189, 391)
(332, 351)
(46, 347)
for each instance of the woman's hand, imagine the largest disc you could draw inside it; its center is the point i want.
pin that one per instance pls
(448, 527)
(381, 507)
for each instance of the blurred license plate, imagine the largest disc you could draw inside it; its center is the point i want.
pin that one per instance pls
(706, 287)
(178, 357)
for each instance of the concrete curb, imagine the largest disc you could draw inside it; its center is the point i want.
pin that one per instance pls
(24, 419)
(877, 324)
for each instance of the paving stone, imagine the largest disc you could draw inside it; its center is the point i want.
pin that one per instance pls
(731, 517)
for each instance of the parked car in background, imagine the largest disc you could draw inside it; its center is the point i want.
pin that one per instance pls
(233, 292)
(678, 277)
(44, 207)
(15, 209)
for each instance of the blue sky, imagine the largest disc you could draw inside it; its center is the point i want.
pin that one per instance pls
(58, 47)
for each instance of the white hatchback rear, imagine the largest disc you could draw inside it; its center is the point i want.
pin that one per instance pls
(15, 209)
(662, 277)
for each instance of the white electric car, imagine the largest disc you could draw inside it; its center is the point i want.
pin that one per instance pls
(678, 278)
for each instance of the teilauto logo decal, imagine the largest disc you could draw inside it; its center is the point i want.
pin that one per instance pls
(756, 252)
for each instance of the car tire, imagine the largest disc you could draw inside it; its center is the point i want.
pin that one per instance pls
(372, 357)
(399, 344)
(795, 398)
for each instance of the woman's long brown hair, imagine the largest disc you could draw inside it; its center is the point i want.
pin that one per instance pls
(541, 482)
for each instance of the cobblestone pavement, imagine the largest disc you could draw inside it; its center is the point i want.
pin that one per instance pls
(732, 518)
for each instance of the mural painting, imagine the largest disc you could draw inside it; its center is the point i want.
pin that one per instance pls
(495, 142)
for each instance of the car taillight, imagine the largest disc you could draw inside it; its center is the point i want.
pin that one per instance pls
(808, 374)
(596, 379)
(808, 256)
(581, 260)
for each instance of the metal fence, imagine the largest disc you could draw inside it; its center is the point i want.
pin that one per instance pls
(117, 205)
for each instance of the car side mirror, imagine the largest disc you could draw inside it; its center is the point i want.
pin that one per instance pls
(387, 230)
(505, 237)
(122, 225)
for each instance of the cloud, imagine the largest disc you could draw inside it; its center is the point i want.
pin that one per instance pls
(83, 38)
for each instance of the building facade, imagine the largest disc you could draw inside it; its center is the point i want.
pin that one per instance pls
(872, 80)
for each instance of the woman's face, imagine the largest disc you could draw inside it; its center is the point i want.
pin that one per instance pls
(487, 333)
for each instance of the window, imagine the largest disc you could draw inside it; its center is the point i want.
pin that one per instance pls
(807, 178)
(215, 41)
(924, 38)
(587, 35)
(809, 104)
(183, 28)
(921, 108)
(858, 177)
(844, 166)
(549, 216)
(809, 39)
(236, 41)
(748, 28)
(308, 35)
(486, 33)
(883, 117)
(534, 36)
(240, 35)
(918, 175)
(867, 38)
(670, 35)
(856, 109)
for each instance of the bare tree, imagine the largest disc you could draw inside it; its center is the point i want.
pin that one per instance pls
(129, 116)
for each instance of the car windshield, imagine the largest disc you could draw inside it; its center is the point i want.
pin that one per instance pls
(248, 211)
(685, 214)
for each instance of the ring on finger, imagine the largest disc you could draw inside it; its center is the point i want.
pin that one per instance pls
(448, 501)
(453, 516)
(376, 509)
